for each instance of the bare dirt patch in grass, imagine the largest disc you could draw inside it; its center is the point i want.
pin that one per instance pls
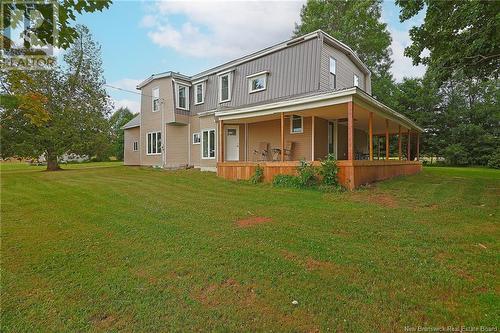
(370, 196)
(251, 221)
(103, 321)
(311, 264)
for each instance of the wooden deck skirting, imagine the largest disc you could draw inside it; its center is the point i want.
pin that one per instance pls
(352, 174)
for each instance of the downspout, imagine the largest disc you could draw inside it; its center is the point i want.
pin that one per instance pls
(163, 139)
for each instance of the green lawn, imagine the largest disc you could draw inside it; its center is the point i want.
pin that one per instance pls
(117, 248)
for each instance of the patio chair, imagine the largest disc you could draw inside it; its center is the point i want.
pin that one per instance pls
(262, 153)
(288, 151)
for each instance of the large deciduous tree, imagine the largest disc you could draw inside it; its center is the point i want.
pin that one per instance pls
(65, 13)
(357, 24)
(57, 111)
(455, 36)
(117, 120)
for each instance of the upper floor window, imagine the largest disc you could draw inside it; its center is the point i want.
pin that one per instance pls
(225, 87)
(296, 124)
(333, 73)
(356, 80)
(182, 97)
(156, 99)
(257, 82)
(199, 93)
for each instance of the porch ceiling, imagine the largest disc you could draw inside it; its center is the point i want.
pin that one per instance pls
(330, 106)
(333, 112)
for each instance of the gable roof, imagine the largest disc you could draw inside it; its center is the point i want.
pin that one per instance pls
(274, 48)
(134, 122)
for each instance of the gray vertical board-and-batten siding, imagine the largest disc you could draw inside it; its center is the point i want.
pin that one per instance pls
(345, 70)
(291, 71)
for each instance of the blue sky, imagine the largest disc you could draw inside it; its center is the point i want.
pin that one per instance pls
(139, 38)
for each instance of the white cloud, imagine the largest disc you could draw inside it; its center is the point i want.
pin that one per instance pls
(148, 21)
(403, 66)
(132, 105)
(221, 30)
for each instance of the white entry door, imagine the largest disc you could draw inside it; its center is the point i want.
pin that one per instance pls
(232, 143)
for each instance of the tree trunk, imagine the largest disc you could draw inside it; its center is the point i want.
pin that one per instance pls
(52, 164)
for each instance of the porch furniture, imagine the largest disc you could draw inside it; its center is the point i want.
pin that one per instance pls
(276, 154)
(262, 154)
(288, 150)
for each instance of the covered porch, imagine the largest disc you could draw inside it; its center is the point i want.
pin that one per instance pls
(370, 141)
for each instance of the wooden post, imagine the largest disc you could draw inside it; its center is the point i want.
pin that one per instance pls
(399, 142)
(312, 138)
(387, 139)
(409, 146)
(221, 140)
(282, 137)
(350, 131)
(370, 130)
(418, 146)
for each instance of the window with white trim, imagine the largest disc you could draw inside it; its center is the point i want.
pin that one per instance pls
(333, 73)
(196, 138)
(208, 144)
(153, 143)
(182, 97)
(356, 80)
(135, 146)
(296, 124)
(257, 83)
(225, 87)
(199, 93)
(156, 99)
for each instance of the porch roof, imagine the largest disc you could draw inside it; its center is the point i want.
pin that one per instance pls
(322, 99)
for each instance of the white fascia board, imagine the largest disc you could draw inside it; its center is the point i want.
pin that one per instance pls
(181, 82)
(206, 113)
(294, 102)
(200, 80)
(257, 74)
(226, 71)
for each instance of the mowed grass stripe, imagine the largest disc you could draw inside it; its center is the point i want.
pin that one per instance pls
(119, 248)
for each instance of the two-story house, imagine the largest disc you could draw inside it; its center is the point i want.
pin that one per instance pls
(298, 100)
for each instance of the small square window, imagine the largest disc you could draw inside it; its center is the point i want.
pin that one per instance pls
(196, 138)
(296, 124)
(257, 83)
